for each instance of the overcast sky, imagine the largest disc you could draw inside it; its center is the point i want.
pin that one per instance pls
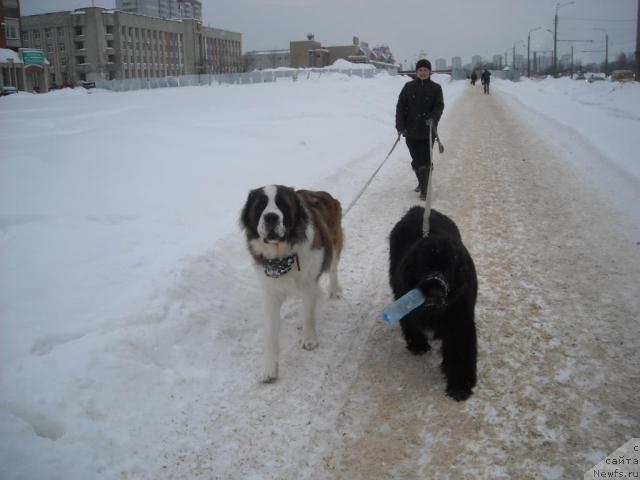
(443, 28)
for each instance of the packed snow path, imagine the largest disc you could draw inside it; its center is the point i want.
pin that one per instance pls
(558, 366)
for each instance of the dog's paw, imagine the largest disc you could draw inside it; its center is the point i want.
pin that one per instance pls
(335, 293)
(309, 344)
(459, 394)
(269, 374)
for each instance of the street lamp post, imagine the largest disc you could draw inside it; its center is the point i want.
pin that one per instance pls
(555, 37)
(606, 51)
(529, 51)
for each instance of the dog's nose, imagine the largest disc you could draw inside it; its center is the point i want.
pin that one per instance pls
(271, 219)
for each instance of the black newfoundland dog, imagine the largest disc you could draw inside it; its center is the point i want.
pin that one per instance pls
(441, 267)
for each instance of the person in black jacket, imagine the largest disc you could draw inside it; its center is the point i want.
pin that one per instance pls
(420, 103)
(474, 77)
(485, 78)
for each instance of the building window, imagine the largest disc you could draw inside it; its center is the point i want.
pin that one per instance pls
(111, 58)
(60, 32)
(79, 45)
(109, 43)
(77, 30)
(109, 29)
(25, 37)
(12, 32)
(80, 59)
(83, 77)
(36, 34)
(61, 46)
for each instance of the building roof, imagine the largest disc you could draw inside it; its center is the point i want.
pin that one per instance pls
(6, 55)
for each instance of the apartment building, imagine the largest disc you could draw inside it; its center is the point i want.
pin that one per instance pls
(167, 9)
(10, 24)
(94, 43)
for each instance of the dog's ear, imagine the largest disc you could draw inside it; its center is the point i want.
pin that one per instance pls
(247, 217)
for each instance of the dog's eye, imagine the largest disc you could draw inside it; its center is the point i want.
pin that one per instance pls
(262, 202)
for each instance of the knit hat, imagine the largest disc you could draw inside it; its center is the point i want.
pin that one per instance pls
(423, 63)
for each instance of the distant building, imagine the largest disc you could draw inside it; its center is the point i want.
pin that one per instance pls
(441, 64)
(497, 61)
(310, 53)
(456, 63)
(94, 43)
(543, 62)
(10, 24)
(476, 61)
(259, 60)
(23, 68)
(167, 9)
(521, 62)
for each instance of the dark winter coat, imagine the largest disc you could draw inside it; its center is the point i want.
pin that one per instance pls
(418, 101)
(485, 77)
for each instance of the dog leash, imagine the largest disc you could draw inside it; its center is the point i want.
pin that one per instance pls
(366, 185)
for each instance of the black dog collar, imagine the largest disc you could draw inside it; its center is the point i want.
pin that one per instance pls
(276, 267)
(438, 277)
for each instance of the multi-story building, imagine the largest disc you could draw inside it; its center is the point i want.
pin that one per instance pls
(456, 63)
(94, 43)
(441, 64)
(497, 61)
(10, 24)
(167, 9)
(476, 61)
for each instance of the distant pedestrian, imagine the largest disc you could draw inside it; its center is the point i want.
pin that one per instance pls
(420, 104)
(485, 79)
(474, 78)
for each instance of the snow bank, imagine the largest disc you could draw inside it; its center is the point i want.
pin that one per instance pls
(606, 113)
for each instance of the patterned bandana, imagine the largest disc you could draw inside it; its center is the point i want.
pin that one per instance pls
(277, 267)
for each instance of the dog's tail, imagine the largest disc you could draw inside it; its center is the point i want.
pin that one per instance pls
(406, 232)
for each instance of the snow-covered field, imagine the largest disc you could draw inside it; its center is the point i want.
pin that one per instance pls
(108, 200)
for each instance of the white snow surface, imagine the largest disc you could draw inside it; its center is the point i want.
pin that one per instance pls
(106, 199)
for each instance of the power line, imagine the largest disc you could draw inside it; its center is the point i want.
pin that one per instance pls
(598, 19)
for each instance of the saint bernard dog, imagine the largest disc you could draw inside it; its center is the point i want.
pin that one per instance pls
(293, 237)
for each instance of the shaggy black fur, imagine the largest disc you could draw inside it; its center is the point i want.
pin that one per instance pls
(442, 268)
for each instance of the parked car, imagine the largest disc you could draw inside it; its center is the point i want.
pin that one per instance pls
(580, 76)
(8, 90)
(596, 78)
(622, 76)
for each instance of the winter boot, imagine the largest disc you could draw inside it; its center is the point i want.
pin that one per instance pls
(422, 182)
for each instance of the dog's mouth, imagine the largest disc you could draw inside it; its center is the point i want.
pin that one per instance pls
(435, 289)
(272, 237)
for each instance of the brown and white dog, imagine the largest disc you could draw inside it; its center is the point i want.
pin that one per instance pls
(293, 237)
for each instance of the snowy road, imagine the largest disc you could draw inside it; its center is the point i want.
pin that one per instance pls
(559, 367)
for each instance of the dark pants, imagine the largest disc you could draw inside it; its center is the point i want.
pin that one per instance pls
(420, 152)
(420, 156)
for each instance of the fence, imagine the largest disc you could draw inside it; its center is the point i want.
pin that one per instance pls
(262, 76)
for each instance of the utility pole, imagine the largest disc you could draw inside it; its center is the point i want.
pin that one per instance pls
(514, 54)
(529, 51)
(638, 45)
(555, 37)
(571, 62)
(606, 51)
